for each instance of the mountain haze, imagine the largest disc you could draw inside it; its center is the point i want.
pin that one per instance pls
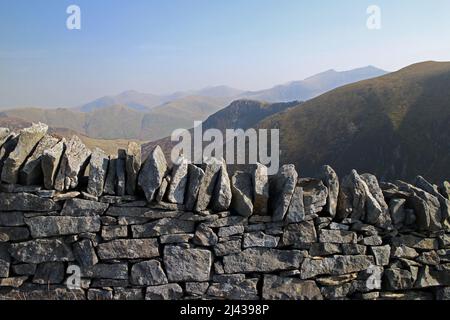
(314, 86)
(144, 101)
(141, 116)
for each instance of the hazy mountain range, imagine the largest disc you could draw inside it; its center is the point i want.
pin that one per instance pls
(141, 116)
(396, 125)
(295, 90)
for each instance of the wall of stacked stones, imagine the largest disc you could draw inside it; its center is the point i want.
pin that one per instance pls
(143, 230)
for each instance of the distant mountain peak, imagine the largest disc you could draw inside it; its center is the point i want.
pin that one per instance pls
(315, 85)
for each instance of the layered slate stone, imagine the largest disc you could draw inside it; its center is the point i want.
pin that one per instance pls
(40, 293)
(296, 212)
(163, 227)
(376, 207)
(128, 249)
(261, 189)
(222, 195)
(43, 227)
(315, 195)
(280, 288)
(300, 234)
(242, 195)
(337, 236)
(152, 172)
(178, 181)
(259, 239)
(426, 207)
(331, 181)
(41, 250)
(205, 236)
(98, 167)
(50, 163)
(352, 197)
(187, 264)
(27, 140)
(207, 184)
(336, 265)
(133, 165)
(434, 190)
(148, 273)
(114, 271)
(31, 172)
(234, 289)
(170, 291)
(196, 175)
(73, 163)
(262, 260)
(81, 207)
(25, 202)
(281, 189)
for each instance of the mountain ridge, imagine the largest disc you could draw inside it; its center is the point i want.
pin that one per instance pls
(396, 125)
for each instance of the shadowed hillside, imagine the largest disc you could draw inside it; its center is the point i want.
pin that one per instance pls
(395, 126)
(240, 114)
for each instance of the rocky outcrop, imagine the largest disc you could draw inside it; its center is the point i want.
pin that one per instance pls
(28, 138)
(204, 233)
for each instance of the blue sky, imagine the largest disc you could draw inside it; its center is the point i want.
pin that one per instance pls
(170, 45)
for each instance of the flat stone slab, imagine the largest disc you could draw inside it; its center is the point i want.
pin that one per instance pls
(187, 264)
(41, 250)
(128, 249)
(262, 260)
(43, 227)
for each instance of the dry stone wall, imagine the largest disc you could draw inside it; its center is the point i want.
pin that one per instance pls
(144, 230)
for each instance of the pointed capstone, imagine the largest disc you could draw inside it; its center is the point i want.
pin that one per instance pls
(177, 187)
(98, 167)
(196, 175)
(207, 184)
(282, 189)
(152, 173)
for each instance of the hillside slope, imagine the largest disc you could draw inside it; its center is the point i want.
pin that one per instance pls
(240, 114)
(395, 126)
(123, 122)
